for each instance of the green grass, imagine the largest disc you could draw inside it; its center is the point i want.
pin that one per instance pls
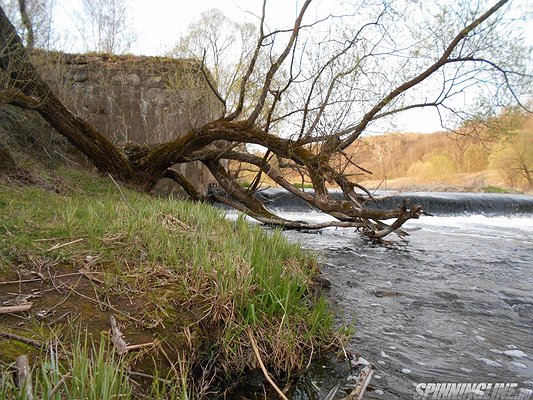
(91, 372)
(306, 185)
(494, 189)
(234, 275)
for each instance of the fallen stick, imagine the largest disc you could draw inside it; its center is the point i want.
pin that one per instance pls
(59, 246)
(61, 382)
(87, 275)
(15, 309)
(114, 309)
(260, 361)
(21, 281)
(142, 345)
(116, 337)
(81, 272)
(33, 342)
(23, 339)
(143, 375)
(362, 382)
(24, 377)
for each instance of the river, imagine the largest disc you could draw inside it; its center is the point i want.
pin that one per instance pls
(454, 304)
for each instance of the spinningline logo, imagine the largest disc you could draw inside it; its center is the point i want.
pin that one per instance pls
(472, 391)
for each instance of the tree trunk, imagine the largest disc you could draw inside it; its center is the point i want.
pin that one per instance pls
(15, 62)
(26, 21)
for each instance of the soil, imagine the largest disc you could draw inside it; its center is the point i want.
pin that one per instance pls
(64, 297)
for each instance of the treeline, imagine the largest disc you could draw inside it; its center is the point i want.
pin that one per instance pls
(498, 151)
(489, 154)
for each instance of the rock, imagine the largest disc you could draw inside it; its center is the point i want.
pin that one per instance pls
(322, 281)
(145, 100)
(166, 187)
(7, 164)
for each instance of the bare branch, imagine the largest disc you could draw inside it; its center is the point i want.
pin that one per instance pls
(444, 59)
(251, 66)
(275, 66)
(208, 79)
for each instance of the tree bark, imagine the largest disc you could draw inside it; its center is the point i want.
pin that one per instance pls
(26, 21)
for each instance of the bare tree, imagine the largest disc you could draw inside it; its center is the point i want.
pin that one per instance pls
(33, 20)
(335, 78)
(225, 48)
(106, 26)
(512, 154)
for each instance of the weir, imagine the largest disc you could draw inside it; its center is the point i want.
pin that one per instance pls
(438, 204)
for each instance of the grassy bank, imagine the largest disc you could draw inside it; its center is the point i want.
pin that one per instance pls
(183, 281)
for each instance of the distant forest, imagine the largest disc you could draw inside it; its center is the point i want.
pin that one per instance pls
(496, 152)
(489, 154)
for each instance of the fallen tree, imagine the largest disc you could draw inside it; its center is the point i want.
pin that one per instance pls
(332, 99)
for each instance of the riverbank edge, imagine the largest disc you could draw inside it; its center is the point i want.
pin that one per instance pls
(194, 291)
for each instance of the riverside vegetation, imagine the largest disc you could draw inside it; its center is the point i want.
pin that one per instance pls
(198, 293)
(305, 105)
(192, 287)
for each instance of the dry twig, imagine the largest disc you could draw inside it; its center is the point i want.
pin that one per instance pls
(59, 384)
(116, 337)
(15, 309)
(23, 339)
(362, 382)
(59, 246)
(260, 361)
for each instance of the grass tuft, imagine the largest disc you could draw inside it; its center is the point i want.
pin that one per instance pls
(91, 371)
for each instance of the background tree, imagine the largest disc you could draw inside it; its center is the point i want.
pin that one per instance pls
(106, 26)
(512, 156)
(333, 78)
(33, 20)
(225, 48)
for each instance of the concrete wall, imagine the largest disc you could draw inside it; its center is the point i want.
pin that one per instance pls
(139, 99)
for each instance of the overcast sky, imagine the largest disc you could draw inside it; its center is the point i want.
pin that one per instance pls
(160, 23)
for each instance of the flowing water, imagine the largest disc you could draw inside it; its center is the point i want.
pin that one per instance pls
(455, 304)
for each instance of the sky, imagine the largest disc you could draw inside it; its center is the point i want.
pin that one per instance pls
(160, 23)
